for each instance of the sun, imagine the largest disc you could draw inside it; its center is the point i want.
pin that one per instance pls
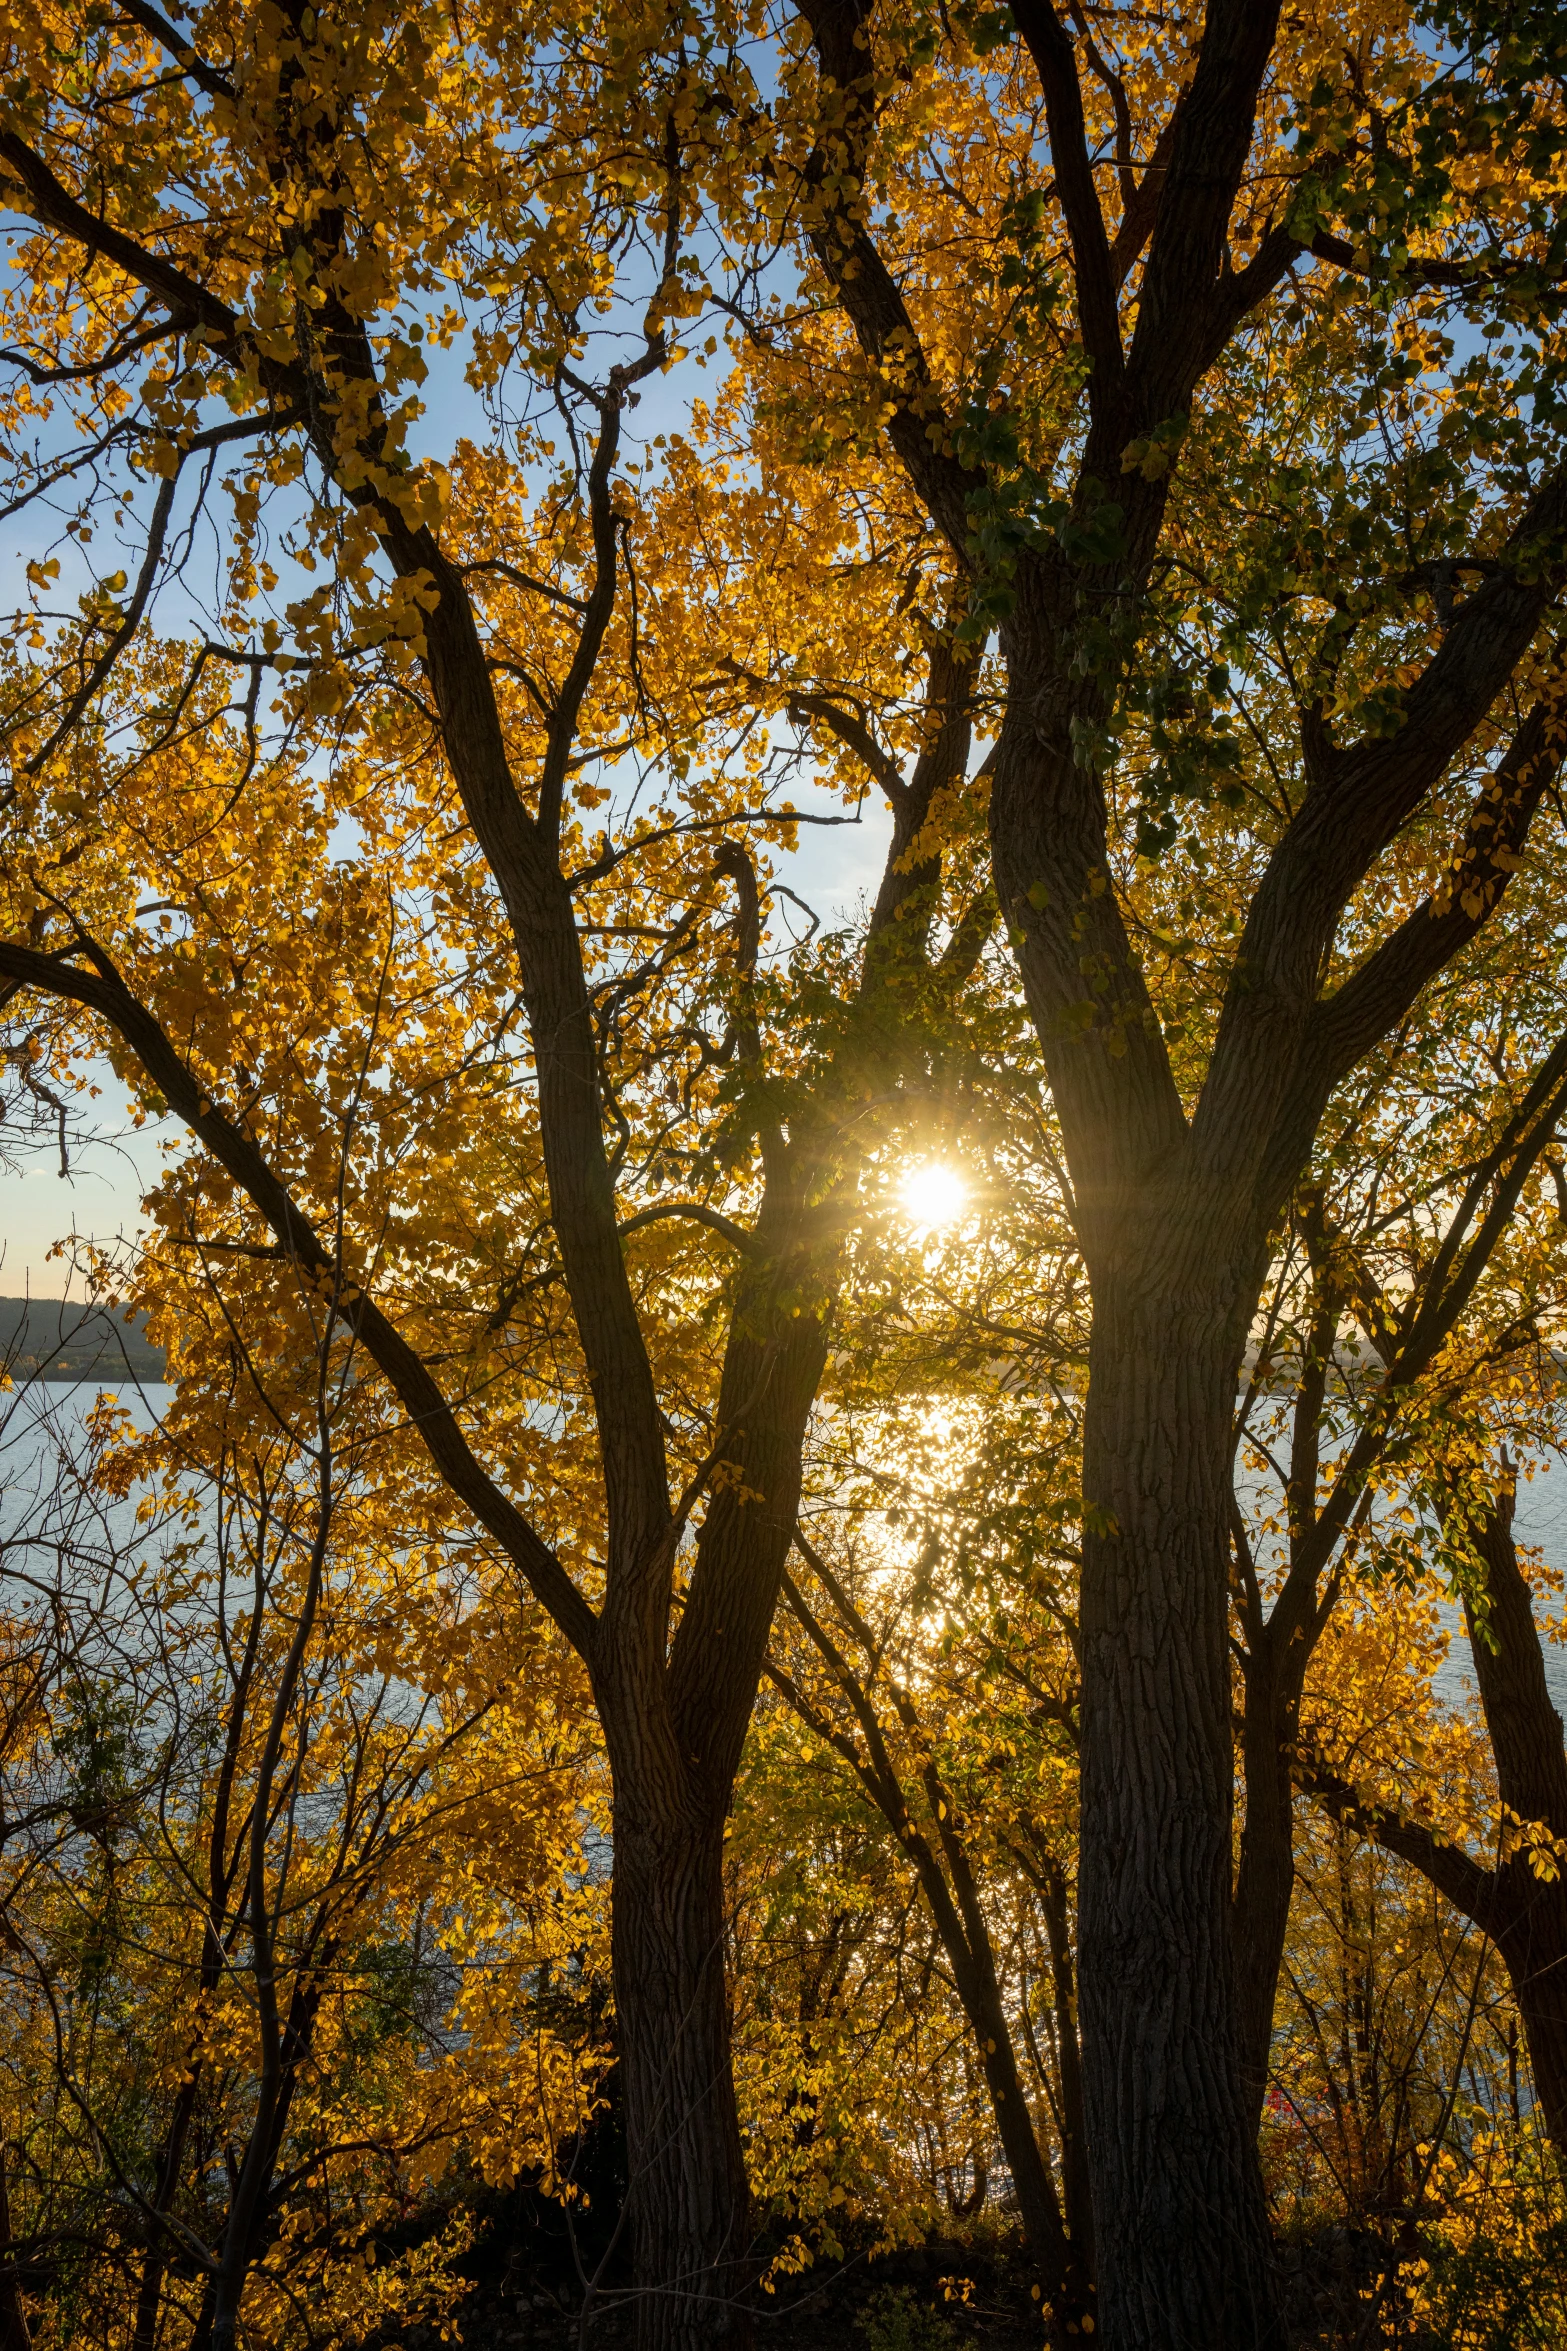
(933, 1194)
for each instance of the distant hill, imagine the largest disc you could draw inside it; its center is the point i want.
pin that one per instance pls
(57, 1339)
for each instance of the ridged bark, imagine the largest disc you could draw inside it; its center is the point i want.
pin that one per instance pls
(1180, 2228)
(689, 2199)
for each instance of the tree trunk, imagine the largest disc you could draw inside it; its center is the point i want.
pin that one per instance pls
(674, 1739)
(201, 2333)
(149, 2292)
(689, 2198)
(1531, 1775)
(1179, 2218)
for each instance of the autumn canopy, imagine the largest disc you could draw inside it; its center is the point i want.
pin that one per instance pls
(795, 773)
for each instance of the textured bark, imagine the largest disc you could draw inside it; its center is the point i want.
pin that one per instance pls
(1179, 2220)
(689, 2200)
(1175, 1249)
(674, 1744)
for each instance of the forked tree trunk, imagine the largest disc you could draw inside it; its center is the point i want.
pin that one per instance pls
(1180, 2226)
(687, 2183)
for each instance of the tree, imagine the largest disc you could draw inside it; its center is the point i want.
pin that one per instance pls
(1420, 1286)
(1235, 460)
(246, 1877)
(1409, 1316)
(1173, 342)
(1517, 1898)
(907, 1747)
(514, 1099)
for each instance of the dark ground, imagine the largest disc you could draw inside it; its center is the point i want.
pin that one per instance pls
(525, 2297)
(527, 2313)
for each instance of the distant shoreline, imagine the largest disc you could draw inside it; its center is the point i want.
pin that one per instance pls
(58, 1340)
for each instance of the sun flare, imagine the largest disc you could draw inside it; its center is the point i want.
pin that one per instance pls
(933, 1194)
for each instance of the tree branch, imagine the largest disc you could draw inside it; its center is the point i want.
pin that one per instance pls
(1142, 205)
(1055, 62)
(1182, 280)
(918, 428)
(206, 77)
(52, 205)
(1351, 812)
(696, 1212)
(102, 991)
(1466, 1884)
(1380, 991)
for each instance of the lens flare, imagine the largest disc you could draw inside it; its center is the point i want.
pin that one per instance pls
(933, 1194)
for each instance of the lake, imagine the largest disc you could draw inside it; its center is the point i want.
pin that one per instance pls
(34, 1416)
